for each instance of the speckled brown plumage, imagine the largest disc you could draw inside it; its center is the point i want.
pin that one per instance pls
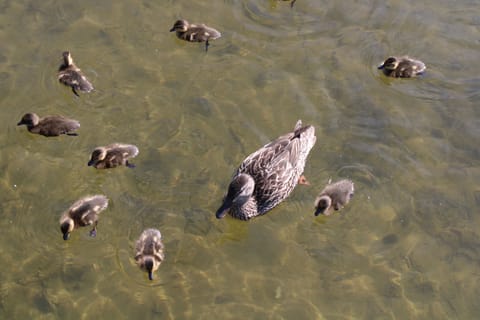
(267, 176)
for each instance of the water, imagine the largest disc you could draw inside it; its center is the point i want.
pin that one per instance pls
(406, 247)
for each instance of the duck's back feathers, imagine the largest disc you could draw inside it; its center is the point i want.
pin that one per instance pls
(55, 126)
(85, 211)
(113, 155)
(150, 243)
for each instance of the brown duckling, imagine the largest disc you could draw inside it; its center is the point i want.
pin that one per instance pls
(113, 155)
(149, 251)
(70, 75)
(195, 32)
(402, 67)
(49, 126)
(334, 196)
(83, 213)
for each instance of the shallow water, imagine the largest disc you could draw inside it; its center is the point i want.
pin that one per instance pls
(406, 247)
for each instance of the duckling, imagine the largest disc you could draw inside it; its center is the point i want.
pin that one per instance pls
(195, 32)
(83, 213)
(149, 251)
(70, 75)
(334, 195)
(49, 126)
(268, 176)
(113, 155)
(402, 67)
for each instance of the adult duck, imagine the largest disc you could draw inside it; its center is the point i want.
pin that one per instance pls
(268, 176)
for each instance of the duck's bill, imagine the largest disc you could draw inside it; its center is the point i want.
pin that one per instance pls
(90, 163)
(173, 29)
(66, 236)
(381, 66)
(150, 275)
(20, 123)
(319, 211)
(222, 211)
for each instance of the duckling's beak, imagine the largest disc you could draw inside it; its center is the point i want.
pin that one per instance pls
(20, 123)
(319, 211)
(381, 66)
(90, 163)
(222, 211)
(66, 236)
(150, 275)
(173, 29)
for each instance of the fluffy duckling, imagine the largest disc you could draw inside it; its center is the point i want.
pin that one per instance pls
(70, 75)
(83, 213)
(49, 126)
(334, 196)
(113, 155)
(195, 32)
(402, 67)
(149, 251)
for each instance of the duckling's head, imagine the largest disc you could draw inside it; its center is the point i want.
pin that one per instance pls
(322, 204)
(149, 264)
(67, 227)
(390, 64)
(29, 119)
(97, 155)
(180, 26)
(239, 192)
(67, 58)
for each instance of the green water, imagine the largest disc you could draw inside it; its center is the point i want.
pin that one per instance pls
(406, 247)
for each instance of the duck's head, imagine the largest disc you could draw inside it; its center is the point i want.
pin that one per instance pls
(390, 64)
(29, 119)
(180, 26)
(149, 264)
(97, 155)
(66, 226)
(322, 204)
(67, 58)
(239, 192)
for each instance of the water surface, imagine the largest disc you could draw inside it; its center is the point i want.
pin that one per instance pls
(406, 247)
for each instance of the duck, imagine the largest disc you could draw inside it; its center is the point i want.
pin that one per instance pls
(334, 196)
(71, 75)
(402, 67)
(149, 251)
(113, 155)
(49, 126)
(195, 32)
(268, 176)
(83, 212)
